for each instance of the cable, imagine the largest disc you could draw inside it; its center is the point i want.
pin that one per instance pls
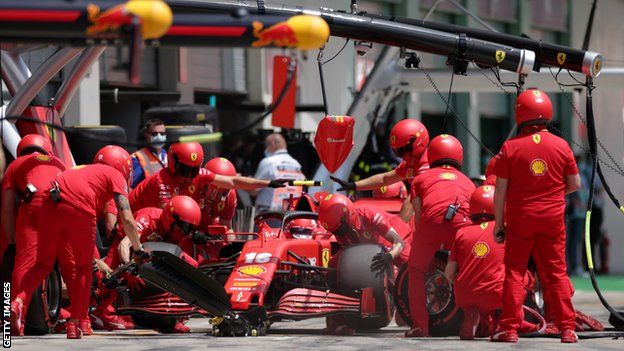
(289, 79)
(319, 60)
(338, 53)
(457, 118)
(449, 96)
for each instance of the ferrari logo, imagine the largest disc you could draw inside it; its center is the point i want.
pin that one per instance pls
(561, 57)
(481, 249)
(383, 189)
(392, 139)
(448, 176)
(500, 56)
(325, 258)
(410, 173)
(193, 156)
(444, 136)
(221, 206)
(42, 158)
(328, 197)
(537, 138)
(487, 188)
(597, 66)
(536, 92)
(538, 167)
(366, 235)
(191, 189)
(483, 225)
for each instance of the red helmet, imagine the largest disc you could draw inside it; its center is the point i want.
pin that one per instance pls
(183, 212)
(34, 142)
(397, 190)
(409, 137)
(116, 157)
(185, 159)
(482, 201)
(533, 106)
(336, 211)
(445, 149)
(301, 227)
(221, 166)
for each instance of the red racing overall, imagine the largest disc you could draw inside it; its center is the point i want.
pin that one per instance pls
(68, 229)
(536, 165)
(40, 171)
(437, 188)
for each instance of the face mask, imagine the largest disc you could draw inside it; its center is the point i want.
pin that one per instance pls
(158, 140)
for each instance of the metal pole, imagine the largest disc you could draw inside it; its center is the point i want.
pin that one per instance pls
(70, 85)
(14, 71)
(39, 79)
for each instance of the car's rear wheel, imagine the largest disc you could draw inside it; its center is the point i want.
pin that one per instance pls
(444, 316)
(45, 306)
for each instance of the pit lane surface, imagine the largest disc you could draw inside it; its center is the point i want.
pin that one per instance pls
(306, 335)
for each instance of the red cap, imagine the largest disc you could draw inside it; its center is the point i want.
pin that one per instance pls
(533, 105)
(116, 157)
(222, 166)
(34, 142)
(445, 149)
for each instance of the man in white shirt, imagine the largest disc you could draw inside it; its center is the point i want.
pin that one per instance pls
(277, 164)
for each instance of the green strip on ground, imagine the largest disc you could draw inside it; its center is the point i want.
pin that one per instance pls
(605, 282)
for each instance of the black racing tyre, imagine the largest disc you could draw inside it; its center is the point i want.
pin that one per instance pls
(45, 306)
(445, 317)
(353, 273)
(176, 131)
(87, 140)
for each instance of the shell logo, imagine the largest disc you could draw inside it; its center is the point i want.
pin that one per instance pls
(538, 167)
(448, 176)
(483, 225)
(252, 270)
(383, 189)
(221, 206)
(480, 249)
(193, 156)
(537, 138)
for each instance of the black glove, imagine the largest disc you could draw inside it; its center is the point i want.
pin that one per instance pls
(344, 185)
(381, 261)
(141, 256)
(110, 281)
(199, 238)
(278, 183)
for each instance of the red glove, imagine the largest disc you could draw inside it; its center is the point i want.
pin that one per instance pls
(135, 284)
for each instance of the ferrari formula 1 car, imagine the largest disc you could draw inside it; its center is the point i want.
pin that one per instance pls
(288, 274)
